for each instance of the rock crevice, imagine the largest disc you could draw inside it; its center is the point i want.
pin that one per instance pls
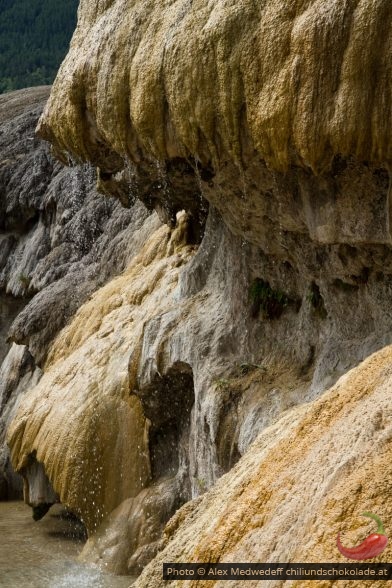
(213, 343)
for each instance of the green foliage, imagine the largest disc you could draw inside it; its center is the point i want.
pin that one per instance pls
(222, 384)
(202, 484)
(34, 38)
(263, 297)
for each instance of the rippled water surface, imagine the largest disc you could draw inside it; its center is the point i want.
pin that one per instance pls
(43, 554)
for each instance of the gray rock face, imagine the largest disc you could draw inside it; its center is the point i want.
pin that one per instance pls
(59, 241)
(60, 238)
(289, 288)
(17, 374)
(261, 333)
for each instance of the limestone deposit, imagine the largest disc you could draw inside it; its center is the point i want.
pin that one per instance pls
(306, 478)
(300, 82)
(56, 232)
(278, 113)
(227, 348)
(57, 235)
(80, 421)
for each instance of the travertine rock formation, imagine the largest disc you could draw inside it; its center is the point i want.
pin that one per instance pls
(242, 104)
(236, 90)
(59, 240)
(81, 421)
(131, 535)
(57, 233)
(183, 79)
(305, 478)
(274, 120)
(18, 372)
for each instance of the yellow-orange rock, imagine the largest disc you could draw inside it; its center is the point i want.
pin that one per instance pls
(307, 477)
(80, 421)
(300, 81)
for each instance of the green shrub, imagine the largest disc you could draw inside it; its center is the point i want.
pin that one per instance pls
(271, 302)
(222, 384)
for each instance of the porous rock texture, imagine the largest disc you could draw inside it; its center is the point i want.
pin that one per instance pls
(184, 78)
(306, 478)
(260, 134)
(236, 89)
(242, 103)
(57, 233)
(87, 385)
(59, 240)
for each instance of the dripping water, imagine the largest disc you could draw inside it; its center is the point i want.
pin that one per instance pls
(44, 554)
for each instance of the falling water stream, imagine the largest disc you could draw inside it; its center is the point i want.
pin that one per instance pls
(44, 554)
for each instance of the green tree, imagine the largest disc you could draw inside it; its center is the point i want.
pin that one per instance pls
(34, 38)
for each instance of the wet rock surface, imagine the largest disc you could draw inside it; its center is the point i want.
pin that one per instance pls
(212, 80)
(194, 351)
(59, 240)
(172, 354)
(17, 373)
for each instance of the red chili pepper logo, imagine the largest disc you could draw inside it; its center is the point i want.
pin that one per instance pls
(371, 547)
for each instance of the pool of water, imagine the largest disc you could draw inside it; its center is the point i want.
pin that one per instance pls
(44, 554)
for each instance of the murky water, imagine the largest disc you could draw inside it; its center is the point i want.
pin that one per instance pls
(43, 554)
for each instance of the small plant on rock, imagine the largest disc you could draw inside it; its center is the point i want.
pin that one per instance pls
(202, 484)
(271, 302)
(222, 384)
